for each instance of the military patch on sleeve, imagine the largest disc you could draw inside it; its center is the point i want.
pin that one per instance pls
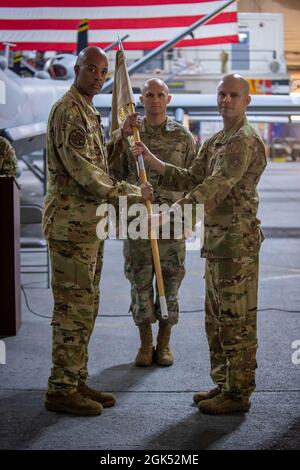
(77, 138)
(235, 147)
(234, 161)
(235, 155)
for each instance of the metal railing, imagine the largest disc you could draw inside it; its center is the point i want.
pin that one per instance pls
(205, 60)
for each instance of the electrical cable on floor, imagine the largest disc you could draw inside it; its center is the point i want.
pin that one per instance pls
(27, 305)
(181, 311)
(259, 310)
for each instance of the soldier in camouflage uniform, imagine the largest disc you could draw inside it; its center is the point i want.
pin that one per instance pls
(224, 177)
(78, 182)
(174, 144)
(8, 159)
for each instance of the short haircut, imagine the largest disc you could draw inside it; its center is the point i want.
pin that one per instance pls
(87, 52)
(158, 81)
(242, 80)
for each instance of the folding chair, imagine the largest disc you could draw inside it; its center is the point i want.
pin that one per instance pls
(31, 214)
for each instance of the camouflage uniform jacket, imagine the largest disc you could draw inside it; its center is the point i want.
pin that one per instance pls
(224, 177)
(77, 171)
(8, 159)
(171, 142)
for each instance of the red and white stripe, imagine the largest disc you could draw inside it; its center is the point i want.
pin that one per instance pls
(149, 23)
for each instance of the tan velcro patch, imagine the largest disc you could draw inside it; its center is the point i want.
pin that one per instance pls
(77, 138)
(234, 161)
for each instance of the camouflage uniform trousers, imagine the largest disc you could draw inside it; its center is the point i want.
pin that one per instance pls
(230, 322)
(76, 270)
(139, 270)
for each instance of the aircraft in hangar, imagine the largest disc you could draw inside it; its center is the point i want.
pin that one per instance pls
(24, 114)
(25, 103)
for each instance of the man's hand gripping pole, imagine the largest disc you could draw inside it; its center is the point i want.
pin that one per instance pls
(153, 240)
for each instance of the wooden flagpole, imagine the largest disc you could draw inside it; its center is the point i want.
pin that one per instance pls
(153, 240)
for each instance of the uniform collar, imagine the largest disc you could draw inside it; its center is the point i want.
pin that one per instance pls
(168, 126)
(226, 135)
(88, 108)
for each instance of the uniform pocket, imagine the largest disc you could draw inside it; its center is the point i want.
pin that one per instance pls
(71, 267)
(63, 269)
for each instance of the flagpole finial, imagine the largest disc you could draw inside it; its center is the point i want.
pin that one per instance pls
(120, 43)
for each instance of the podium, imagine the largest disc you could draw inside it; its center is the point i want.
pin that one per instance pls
(10, 291)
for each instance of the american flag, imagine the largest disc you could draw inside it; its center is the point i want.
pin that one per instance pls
(149, 23)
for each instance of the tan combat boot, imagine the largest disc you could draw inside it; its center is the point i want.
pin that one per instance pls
(222, 404)
(75, 404)
(106, 399)
(144, 356)
(200, 396)
(163, 353)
